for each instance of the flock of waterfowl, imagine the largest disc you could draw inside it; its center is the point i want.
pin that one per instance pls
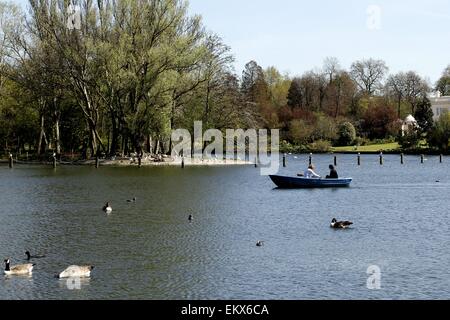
(85, 271)
(335, 224)
(27, 268)
(73, 271)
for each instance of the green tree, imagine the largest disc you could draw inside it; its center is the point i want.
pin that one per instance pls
(424, 115)
(278, 85)
(440, 134)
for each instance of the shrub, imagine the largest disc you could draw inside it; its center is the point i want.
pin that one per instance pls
(347, 134)
(359, 141)
(410, 141)
(300, 132)
(324, 129)
(320, 146)
(286, 147)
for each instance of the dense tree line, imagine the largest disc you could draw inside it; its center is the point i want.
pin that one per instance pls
(134, 70)
(129, 74)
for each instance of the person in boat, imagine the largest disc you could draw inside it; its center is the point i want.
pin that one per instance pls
(333, 173)
(309, 173)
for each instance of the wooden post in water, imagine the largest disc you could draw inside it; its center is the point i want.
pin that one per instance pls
(284, 160)
(335, 160)
(27, 156)
(440, 158)
(381, 158)
(182, 163)
(11, 161)
(256, 162)
(359, 158)
(402, 158)
(422, 158)
(140, 161)
(54, 160)
(310, 159)
(97, 162)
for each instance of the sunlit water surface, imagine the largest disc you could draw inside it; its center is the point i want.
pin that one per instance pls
(149, 250)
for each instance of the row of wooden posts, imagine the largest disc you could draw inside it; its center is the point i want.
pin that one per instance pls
(55, 161)
(402, 159)
(97, 160)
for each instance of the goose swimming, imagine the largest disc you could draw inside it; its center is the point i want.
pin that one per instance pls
(29, 256)
(259, 243)
(340, 224)
(76, 271)
(20, 269)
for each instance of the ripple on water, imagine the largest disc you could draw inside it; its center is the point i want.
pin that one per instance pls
(149, 250)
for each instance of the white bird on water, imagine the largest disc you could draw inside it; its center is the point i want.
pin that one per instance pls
(107, 208)
(76, 272)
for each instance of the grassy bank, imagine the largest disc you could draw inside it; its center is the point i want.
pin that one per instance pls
(392, 147)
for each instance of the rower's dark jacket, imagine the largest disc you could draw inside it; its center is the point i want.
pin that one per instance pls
(333, 174)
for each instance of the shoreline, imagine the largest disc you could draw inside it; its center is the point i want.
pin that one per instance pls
(133, 163)
(396, 152)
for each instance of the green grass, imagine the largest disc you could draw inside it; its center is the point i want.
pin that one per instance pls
(370, 148)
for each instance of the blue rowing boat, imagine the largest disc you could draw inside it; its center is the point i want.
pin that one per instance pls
(299, 182)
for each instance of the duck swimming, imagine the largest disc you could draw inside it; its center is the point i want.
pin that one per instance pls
(107, 208)
(191, 217)
(340, 224)
(259, 243)
(20, 269)
(132, 200)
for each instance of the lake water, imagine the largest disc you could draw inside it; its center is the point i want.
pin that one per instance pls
(149, 250)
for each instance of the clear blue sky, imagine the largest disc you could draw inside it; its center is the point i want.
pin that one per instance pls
(296, 35)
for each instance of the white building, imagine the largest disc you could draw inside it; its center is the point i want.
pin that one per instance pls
(440, 105)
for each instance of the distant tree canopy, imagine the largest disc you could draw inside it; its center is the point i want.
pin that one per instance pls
(133, 71)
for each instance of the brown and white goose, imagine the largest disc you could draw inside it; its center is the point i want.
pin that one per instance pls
(20, 269)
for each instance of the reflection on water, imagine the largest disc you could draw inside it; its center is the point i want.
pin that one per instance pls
(74, 283)
(149, 250)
